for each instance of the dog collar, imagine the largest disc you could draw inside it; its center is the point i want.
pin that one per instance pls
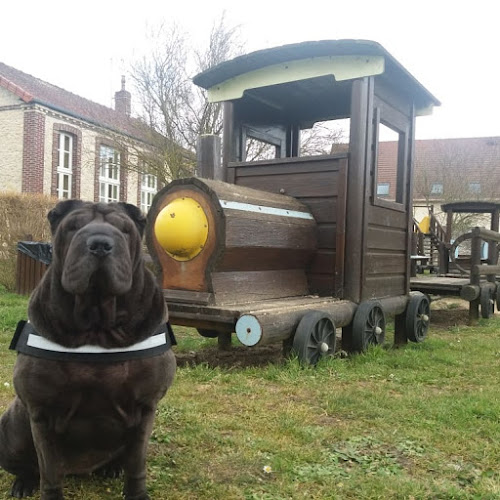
(27, 341)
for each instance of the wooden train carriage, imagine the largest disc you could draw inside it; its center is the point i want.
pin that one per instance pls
(360, 202)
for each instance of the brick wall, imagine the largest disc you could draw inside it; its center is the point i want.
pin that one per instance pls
(11, 149)
(33, 151)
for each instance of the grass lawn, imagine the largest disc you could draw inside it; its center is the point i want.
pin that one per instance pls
(413, 423)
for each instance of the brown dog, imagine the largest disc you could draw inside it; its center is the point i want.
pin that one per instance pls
(78, 414)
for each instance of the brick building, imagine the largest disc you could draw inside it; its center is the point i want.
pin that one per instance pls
(57, 143)
(446, 170)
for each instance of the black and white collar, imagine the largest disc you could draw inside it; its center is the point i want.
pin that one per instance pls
(27, 341)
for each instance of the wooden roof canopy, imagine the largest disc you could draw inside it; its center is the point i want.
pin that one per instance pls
(307, 82)
(471, 207)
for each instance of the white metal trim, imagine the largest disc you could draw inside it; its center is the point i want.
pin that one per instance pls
(282, 212)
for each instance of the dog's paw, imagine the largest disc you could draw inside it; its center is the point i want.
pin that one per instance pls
(112, 470)
(24, 486)
(142, 496)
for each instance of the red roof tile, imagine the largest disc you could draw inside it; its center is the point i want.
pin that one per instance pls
(33, 90)
(445, 160)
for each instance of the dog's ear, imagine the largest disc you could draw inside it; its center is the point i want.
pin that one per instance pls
(57, 214)
(136, 215)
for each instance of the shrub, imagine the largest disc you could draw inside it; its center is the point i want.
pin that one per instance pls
(22, 217)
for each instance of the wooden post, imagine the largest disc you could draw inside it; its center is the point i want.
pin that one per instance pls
(228, 141)
(474, 274)
(414, 251)
(444, 258)
(449, 224)
(355, 192)
(492, 245)
(208, 157)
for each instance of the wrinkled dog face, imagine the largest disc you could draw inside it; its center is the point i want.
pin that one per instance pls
(97, 246)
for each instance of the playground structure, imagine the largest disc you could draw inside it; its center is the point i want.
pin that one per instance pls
(292, 248)
(473, 277)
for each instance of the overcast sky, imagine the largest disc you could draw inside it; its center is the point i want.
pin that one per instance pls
(451, 47)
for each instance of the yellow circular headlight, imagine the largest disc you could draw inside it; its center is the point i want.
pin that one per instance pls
(181, 228)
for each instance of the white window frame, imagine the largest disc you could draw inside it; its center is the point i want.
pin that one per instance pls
(383, 188)
(149, 187)
(65, 166)
(475, 187)
(437, 188)
(109, 174)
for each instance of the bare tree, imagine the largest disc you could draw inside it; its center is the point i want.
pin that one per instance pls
(173, 109)
(323, 138)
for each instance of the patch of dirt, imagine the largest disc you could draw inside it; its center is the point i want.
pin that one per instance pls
(237, 357)
(449, 317)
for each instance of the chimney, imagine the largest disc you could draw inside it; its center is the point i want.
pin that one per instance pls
(123, 100)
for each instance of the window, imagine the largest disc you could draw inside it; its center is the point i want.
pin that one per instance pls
(390, 157)
(437, 188)
(383, 188)
(149, 187)
(65, 166)
(109, 175)
(474, 187)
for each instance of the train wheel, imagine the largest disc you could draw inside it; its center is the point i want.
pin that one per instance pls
(368, 326)
(209, 334)
(487, 299)
(418, 315)
(315, 337)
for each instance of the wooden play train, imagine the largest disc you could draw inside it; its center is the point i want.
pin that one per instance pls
(292, 248)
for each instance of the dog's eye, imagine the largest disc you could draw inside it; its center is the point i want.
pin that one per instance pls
(73, 225)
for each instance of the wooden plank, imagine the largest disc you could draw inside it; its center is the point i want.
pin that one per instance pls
(383, 238)
(323, 285)
(18, 272)
(298, 185)
(251, 286)
(384, 286)
(327, 236)
(323, 262)
(260, 259)
(187, 296)
(311, 163)
(30, 282)
(385, 263)
(249, 232)
(324, 210)
(384, 217)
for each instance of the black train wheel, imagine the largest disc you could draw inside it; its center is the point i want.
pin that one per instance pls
(209, 334)
(314, 338)
(368, 326)
(418, 315)
(487, 299)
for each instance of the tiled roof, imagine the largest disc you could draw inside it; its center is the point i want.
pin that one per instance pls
(33, 90)
(470, 160)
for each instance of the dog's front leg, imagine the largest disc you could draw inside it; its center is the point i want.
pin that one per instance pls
(134, 465)
(50, 461)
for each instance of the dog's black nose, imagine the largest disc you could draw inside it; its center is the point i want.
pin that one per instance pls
(100, 245)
